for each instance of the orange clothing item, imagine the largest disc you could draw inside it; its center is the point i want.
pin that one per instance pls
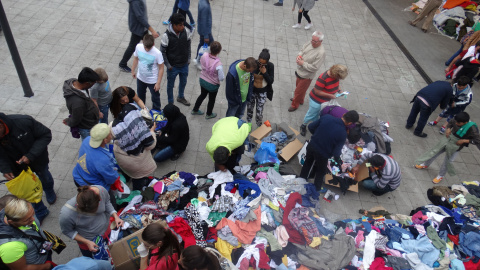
(454, 3)
(245, 232)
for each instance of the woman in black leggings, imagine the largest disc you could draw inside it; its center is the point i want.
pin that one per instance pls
(304, 6)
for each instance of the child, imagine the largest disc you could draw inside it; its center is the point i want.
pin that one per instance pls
(462, 97)
(239, 86)
(150, 70)
(101, 94)
(212, 74)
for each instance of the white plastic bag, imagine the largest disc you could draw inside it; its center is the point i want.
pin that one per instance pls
(302, 154)
(204, 49)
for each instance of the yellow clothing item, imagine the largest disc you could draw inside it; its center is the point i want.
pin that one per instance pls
(225, 248)
(316, 241)
(471, 183)
(285, 260)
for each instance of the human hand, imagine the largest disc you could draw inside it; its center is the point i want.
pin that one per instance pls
(154, 127)
(460, 142)
(119, 222)
(300, 10)
(155, 34)
(447, 70)
(134, 74)
(92, 246)
(100, 114)
(355, 169)
(293, 8)
(65, 121)
(172, 68)
(9, 176)
(300, 62)
(206, 40)
(142, 250)
(263, 69)
(23, 159)
(156, 87)
(448, 132)
(453, 105)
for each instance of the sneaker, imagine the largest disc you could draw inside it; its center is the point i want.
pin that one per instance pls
(437, 179)
(303, 130)
(278, 4)
(167, 22)
(175, 157)
(213, 115)
(432, 123)
(421, 135)
(51, 198)
(183, 101)
(292, 109)
(199, 112)
(296, 26)
(192, 24)
(420, 166)
(125, 69)
(442, 130)
(308, 26)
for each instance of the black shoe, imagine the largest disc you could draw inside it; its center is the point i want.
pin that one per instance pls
(175, 157)
(423, 135)
(278, 4)
(408, 127)
(51, 199)
(377, 193)
(125, 69)
(303, 130)
(183, 101)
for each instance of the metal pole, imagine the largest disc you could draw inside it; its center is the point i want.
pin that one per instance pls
(27, 90)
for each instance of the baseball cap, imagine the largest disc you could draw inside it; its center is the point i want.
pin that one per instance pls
(98, 133)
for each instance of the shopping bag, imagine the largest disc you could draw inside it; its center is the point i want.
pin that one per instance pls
(103, 252)
(203, 49)
(26, 186)
(266, 153)
(58, 244)
(302, 154)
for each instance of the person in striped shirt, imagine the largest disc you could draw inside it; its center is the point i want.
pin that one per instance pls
(385, 174)
(327, 85)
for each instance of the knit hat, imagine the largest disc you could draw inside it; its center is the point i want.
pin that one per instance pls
(282, 235)
(98, 133)
(159, 187)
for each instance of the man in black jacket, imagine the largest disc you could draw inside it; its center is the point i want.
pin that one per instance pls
(24, 142)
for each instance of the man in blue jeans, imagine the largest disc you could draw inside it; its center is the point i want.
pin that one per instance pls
(204, 20)
(176, 51)
(24, 143)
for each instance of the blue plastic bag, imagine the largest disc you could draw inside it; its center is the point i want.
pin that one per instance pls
(266, 153)
(158, 118)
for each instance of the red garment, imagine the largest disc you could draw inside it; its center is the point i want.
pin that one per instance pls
(466, 4)
(470, 265)
(212, 234)
(160, 263)
(301, 88)
(245, 232)
(379, 264)
(295, 236)
(453, 238)
(419, 218)
(264, 259)
(180, 226)
(326, 84)
(453, 3)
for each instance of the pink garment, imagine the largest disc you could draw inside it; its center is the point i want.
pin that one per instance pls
(159, 187)
(209, 68)
(261, 175)
(245, 232)
(419, 218)
(348, 230)
(420, 229)
(394, 252)
(359, 238)
(376, 229)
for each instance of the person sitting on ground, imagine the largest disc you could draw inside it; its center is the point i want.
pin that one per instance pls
(198, 258)
(124, 95)
(86, 216)
(462, 97)
(385, 174)
(460, 132)
(21, 249)
(226, 146)
(471, 51)
(160, 249)
(174, 136)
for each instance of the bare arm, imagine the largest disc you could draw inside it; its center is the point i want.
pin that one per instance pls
(134, 67)
(90, 244)
(100, 114)
(143, 263)
(21, 264)
(139, 101)
(161, 68)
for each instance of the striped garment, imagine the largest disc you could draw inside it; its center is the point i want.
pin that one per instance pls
(391, 174)
(325, 84)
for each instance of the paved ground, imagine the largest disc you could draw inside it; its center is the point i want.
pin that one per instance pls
(56, 38)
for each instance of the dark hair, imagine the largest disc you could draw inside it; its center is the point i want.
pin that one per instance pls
(87, 199)
(220, 155)
(250, 62)
(377, 161)
(177, 18)
(88, 75)
(463, 80)
(462, 117)
(477, 44)
(265, 54)
(196, 257)
(215, 48)
(5, 199)
(354, 135)
(117, 94)
(156, 232)
(148, 41)
(351, 116)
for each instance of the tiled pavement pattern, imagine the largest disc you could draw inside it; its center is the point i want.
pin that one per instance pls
(56, 38)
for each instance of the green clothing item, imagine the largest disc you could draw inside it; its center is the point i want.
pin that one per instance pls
(473, 201)
(436, 240)
(274, 245)
(208, 86)
(133, 193)
(244, 81)
(215, 217)
(463, 130)
(450, 146)
(276, 167)
(226, 133)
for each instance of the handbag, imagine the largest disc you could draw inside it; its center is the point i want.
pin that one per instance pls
(58, 244)
(26, 186)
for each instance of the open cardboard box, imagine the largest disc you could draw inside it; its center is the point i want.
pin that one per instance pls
(361, 175)
(290, 150)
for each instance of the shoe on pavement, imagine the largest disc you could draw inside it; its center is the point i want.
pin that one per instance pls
(408, 127)
(42, 218)
(51, 199)
(197, 64)
(423, 135)
(183, 101)
(292, 109)
(411, 23)
(432, 123)
(175, 157)
(125, 69)
(442, 130)
(199, 112)
(308, 26)
(167, 22)
(213, 115)
(297, 26)
(301, 103)
(437, 179)
(420, 166)
(303, 130)
(278, 4)
(192, 24)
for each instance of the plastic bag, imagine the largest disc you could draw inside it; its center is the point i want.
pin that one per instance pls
(332, 102)
(158, 118)
(26, 186)
(266, 153)
(103, 252)
(204, 49)
(302, 154)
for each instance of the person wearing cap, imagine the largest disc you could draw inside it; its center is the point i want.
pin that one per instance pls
(82, 263)
(95, 164)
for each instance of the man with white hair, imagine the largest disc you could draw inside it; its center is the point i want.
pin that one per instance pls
(309, 60)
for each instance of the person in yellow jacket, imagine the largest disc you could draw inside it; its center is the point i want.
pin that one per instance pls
(226, 146)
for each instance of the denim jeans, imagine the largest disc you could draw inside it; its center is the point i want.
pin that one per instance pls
(182, 72)
(236, 110)
(453, 56)
(424, 110)
(104, 109)
(47, 182)
(189, 14)
(370, 185)
(41, 210)
(134, 40)
(142, 94)
(164, 154)
(84, 133)
(313, 112)
(201, 42)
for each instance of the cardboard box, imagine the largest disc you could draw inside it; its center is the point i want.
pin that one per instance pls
(124, 252)
(291, 150)
(362, 174)
(261, 132)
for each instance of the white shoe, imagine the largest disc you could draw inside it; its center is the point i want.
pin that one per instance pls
(297, 26)
(199, 66)
(308, 26)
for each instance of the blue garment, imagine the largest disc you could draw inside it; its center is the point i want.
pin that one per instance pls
(104, 109)
(244, 185)
(204, 18)
(427, 253)
(177, 185)
(137, 17)
(232, 87)
(321, 229)
(470, 243)
(188, 177)
(182, 72)
(95, 166)
(164, 154)
(456, 264)
(85, 263)
(328, 136)
(437, 93)
(312, 195)
(395, 234)
(241, 208)
(184, 5)
(367, 226)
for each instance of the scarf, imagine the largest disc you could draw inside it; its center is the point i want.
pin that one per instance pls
(463, 130)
